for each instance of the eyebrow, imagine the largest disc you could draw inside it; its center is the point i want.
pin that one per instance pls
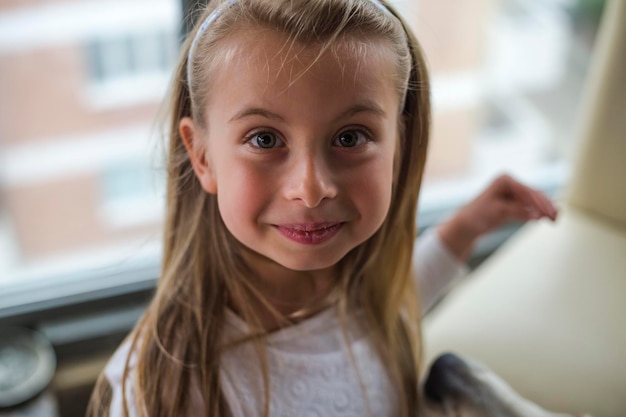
(365, 107)
(256, 111)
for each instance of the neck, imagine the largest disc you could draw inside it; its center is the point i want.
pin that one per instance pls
(281, 296)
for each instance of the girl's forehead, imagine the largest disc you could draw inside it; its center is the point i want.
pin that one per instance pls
(309, 83)
(272, 52)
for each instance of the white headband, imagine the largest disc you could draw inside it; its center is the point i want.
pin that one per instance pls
(216, 13)
(210, 18)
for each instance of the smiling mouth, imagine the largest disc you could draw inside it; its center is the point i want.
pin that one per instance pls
(310, 233)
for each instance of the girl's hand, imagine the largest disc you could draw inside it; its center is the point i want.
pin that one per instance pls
(504, 200)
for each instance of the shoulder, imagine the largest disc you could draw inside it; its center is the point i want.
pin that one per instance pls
(114, 370)
(114, 375)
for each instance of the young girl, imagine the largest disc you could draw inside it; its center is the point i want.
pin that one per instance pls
(298, 140)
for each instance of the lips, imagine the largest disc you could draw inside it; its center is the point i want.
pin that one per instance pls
(310, 233)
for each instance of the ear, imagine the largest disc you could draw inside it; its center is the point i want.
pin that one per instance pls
(192, 139)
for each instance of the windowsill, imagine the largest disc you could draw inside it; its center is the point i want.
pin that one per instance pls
(35, 290)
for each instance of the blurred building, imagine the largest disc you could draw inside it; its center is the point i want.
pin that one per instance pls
(81, 85)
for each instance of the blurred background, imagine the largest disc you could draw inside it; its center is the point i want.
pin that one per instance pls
(81, 169)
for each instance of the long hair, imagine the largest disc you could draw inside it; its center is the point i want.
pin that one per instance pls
(176, 340)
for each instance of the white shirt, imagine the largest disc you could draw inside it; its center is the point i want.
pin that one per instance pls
(435, 267)
(311, 372)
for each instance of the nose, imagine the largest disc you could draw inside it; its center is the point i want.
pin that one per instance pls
(310, 180)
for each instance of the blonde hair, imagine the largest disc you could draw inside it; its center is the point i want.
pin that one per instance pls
(176, 339)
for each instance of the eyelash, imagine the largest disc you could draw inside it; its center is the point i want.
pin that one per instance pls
(364, 133)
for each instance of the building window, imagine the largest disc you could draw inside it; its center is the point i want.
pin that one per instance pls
(129, 69)
(130, 55)
(132, 193)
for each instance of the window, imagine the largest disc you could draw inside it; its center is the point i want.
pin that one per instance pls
(128, 69)
(80, 184)
(132, 193)
(507, 78)
(131, 56)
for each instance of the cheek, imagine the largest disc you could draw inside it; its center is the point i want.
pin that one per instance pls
(241, 194)
(372, 189)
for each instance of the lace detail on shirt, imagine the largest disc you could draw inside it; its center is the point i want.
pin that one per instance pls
(325, 384)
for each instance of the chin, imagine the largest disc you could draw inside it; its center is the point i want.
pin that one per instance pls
(307, 265)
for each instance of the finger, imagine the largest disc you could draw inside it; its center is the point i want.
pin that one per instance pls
(515, 212)
(544, 205)
(507, 211)
(504, 185)
(533, 199)
(524, 194)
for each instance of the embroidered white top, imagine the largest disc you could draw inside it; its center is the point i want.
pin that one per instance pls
(311, 371)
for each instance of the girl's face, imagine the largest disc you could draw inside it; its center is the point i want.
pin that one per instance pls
(299, 151)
